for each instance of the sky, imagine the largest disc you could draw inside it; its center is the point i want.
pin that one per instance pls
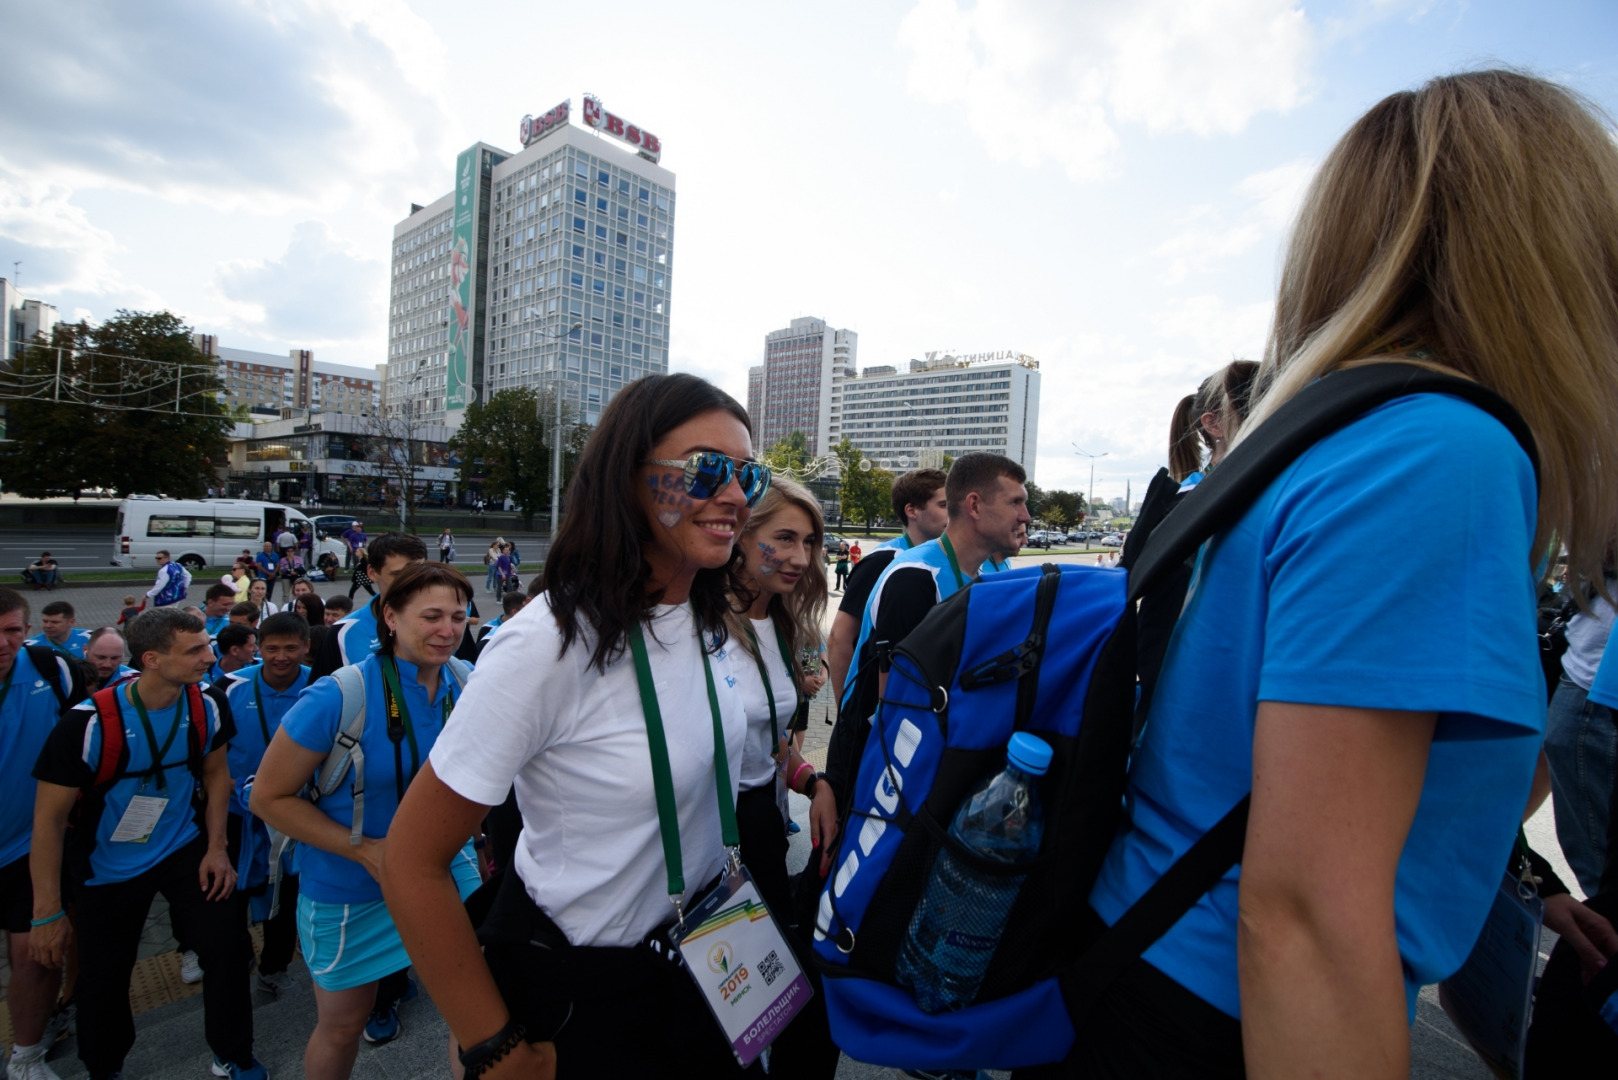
(1105, 186)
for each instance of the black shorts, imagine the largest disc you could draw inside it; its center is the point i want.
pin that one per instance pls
(16, 897)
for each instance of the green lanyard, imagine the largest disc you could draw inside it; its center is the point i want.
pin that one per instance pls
(904, 544)
(949, 549)
(763, 673)
(151, 736)
(258, 699)
(61, 650)
(399, 715)
(668, 819)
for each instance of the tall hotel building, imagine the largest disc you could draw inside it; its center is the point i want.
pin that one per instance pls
(799, 385)
(547, 267)
(944, 405)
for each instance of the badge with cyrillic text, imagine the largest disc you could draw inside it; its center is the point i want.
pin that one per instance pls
(748, 974)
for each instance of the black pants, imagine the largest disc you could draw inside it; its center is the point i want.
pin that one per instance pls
(1568, 1034)
(109, 919)
(804, 1051)
(612, 1012)
(281, 931)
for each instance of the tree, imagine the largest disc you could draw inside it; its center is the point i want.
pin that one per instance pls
(1064, 509)
(865, 493)
(791, 453)
(1036, 498)
(394, 449)
(129, 405)
(507, 440)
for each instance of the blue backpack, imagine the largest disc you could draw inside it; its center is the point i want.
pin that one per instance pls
(1051, 650)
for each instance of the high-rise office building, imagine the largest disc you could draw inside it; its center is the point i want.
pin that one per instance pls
(944, 405)
(22, 320)
(547, 267)
(799, 385)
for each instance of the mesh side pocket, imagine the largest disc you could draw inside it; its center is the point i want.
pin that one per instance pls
(887, 919)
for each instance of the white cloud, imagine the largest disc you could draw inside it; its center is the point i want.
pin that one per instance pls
(319, 292)
(1043, 79)
(57, 244)
(1279, 191)
(1269, 202)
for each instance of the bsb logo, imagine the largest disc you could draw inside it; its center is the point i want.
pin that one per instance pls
(650, 147)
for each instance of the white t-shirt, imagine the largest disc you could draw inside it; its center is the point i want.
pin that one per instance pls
(758, 768)
(574, 742)
(1586, 642)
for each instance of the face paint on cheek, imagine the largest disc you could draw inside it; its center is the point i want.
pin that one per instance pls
(668, 518)
(768, 562)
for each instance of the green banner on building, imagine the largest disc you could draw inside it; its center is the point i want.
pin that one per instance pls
(462, 269)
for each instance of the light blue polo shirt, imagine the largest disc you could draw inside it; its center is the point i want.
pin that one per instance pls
(356, 634)
(930, 555)
(215, 623)
(313, 723)
(74, 751)
(246, 691)
(27, 716)
(1387, 568)
(77, 641)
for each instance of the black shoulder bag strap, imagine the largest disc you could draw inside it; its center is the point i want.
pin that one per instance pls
(1325, 406)
(45, 662)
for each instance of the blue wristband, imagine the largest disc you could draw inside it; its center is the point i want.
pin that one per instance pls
(47, 922)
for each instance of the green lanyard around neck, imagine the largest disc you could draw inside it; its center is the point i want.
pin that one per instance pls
(668, 819)
(258, 699)
(764, 673)
(954, 565)
(151, 736)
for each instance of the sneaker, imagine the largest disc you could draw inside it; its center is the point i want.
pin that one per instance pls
(412, 991)
(229, 1070)
(34, 1068)
(793, 826)
(277, 982)
(383, 1026)
(190, 968)
(63, 1022)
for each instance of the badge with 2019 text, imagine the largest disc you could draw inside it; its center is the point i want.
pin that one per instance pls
(748, 974)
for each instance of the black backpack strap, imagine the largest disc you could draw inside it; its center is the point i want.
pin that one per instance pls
(1150, 917)
(45, 661)
(1325, 406)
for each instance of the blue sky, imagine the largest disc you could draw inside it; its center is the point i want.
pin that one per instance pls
(1106, 186)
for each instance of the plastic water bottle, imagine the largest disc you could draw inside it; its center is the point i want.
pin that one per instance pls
(958, 924)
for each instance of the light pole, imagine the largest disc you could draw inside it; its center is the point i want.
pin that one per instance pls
(1090, 499)
(556, 431)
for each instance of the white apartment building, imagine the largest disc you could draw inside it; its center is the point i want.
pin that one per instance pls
(943, 405)
(799, 385)
(23, 319)
(548, 267)
(268, 382)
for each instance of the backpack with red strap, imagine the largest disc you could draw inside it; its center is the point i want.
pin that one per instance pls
(113, 764)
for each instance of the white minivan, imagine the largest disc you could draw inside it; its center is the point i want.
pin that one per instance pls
(200, 532)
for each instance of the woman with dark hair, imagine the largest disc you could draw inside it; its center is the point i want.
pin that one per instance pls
(313, 610)
(410, 688)
(572, 701)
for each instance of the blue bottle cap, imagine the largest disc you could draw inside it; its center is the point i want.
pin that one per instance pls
(1029, 753)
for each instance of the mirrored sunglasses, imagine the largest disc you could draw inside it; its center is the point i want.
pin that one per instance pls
(708, 471)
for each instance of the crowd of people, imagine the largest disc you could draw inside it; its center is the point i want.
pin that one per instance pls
(523, 815)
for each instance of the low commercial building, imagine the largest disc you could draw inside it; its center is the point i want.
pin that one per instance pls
(317, 457)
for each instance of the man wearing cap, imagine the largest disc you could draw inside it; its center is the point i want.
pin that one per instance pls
(354, 538)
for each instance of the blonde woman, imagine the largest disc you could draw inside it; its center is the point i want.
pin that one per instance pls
(776, 609)
(1388, 741)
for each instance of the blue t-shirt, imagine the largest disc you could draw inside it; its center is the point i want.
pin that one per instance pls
(1387, 568)
(1604, 687)
(27, 716)
(215, 623)
(246, 691)
(902, 542)
(356, 635)
(313, 723)
(73, 751)
(77, 641)
(266, 563)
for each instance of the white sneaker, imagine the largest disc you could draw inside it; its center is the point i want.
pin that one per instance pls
(190, 968)
(34, 1069)
(277, 983)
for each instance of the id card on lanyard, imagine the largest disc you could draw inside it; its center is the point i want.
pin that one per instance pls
(1490, 998)
(731, 945)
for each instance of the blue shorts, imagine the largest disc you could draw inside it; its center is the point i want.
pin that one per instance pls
(349, 945)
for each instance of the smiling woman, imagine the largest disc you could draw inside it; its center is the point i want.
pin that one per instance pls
(625, 766)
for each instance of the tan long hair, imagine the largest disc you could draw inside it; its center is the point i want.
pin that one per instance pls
(798, 613)
(1473, 221)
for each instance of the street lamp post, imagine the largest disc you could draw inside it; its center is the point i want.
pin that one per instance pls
(556, 433)
(1090, 499)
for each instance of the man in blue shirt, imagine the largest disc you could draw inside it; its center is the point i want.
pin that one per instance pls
(236, 647)
(28, 712)
(259, 696)
(354, 638)
(105, 653)
(988, 508)
(136, 834)
(220, 598)
(61, 633)
(264, 564)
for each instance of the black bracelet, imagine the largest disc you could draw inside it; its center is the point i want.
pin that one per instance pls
(477, 1059)
(809, 790)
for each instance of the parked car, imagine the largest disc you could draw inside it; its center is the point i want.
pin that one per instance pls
(1113, 540)
(332, 524)
(1038, 539)
(833, 541)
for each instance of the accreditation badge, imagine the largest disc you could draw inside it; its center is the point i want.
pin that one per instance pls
(741, 961)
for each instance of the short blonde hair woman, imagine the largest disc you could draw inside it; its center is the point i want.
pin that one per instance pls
(1384, 713)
